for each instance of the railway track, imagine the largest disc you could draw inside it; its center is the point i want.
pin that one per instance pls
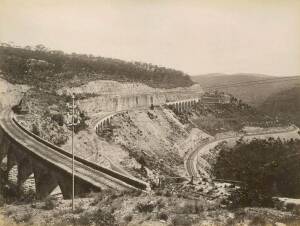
(191, 160)
(89, 172)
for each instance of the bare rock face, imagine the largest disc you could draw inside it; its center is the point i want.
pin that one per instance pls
(106, 95)
(110, 103)
(10, 94)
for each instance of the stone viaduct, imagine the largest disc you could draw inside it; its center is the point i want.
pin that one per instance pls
(27, 173)
(179, 105)
(182, 105)
(31, 164)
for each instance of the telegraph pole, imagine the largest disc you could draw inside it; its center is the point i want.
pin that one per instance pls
(73, 182)
(71, 122)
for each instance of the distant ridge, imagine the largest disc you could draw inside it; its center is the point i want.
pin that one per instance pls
(285, 104)
(254, 93)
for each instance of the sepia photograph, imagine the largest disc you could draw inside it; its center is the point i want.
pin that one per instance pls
(149, 112)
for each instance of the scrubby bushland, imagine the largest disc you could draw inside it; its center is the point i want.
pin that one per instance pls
(265, 168)
(40, 67)
(50, 203)
(222, 117)
(99, 217)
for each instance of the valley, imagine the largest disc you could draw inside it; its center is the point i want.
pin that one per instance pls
(163, 136)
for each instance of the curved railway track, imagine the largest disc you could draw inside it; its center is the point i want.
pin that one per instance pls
(191, 160)
(89, 172)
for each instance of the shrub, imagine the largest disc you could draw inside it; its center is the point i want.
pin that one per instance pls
(145, 207)
(160, 204)
(181, 220)
(35, 130)
(193, 207)
(50, 203)
(27, 197)
(163, 216)
(25, 218)
(167, 193)
(128, 218)
(2, 200)
(258, 221)
(98, 217)
(59, 118)
(79, 208)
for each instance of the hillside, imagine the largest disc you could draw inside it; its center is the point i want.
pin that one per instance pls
(154, 138)
(285, 104)
(254, 94)
(225, 117)
(220, 79)
(43, 68)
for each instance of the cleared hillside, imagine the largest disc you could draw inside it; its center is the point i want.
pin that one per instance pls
(250, 92)
(285, 105)
(54, 69)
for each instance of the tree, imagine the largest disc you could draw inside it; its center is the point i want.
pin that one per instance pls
(35, 130)
(266, 168)
(40, 47)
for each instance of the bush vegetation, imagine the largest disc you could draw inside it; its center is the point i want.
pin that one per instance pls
(265, 168)
(99, 217)
(145, 207)
(41, 67)
(222, 117)
(181, 220)
(50, 203)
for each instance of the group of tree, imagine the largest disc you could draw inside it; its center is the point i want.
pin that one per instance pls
(50, 68)
(265, 168)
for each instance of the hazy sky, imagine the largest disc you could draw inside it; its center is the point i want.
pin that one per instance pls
(204, 36)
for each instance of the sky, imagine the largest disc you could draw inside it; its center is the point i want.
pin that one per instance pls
(197, 37)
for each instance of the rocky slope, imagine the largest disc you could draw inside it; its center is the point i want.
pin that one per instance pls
(108, 95)
(146, 143)
(10, 94)
(228, 117)
(111, 209)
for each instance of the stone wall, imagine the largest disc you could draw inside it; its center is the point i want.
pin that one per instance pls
(110, 103)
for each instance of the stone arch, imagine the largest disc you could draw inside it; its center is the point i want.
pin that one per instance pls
(186, 104)
(44, 187)
(151, 100)
(106, 122)
(137, 100)
(180, 106)
(12, 167)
